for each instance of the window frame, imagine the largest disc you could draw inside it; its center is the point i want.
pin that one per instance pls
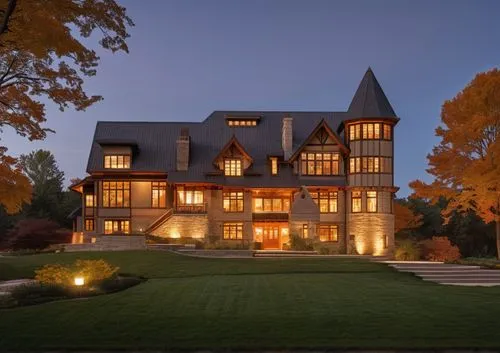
(90, 204)
(371, 198)
(359, 196)
(238, 167)
(363, 162)
(305, 231)
(228, 227)
(272, 201)
(332, 237)
(274, 166)
(87, 222)
(120, 223)
(185, 190)
(232, 197)
(319, 195)
(124, 191)
(107, 160)
(308, 157)
(156, 194)
(370, 131)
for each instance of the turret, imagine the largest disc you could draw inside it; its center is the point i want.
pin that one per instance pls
(369, 133)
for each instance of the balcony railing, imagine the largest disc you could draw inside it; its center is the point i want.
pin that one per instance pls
(198, 208)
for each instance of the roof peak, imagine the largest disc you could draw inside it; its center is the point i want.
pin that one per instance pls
(370, 101)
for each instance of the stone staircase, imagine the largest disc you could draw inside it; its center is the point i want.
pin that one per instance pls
(449, 274)
(110, 243)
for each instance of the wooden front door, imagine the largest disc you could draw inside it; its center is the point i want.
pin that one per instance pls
(271, 237)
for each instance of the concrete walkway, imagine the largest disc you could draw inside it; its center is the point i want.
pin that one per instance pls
(459, 275)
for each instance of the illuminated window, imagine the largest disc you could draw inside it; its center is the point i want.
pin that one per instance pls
(116, 226)
(158, 194)
(355, 201)
(371, 201)
(327, 201)
(89, 224)
(328, 232)
(89, 200)
(233, 201)
(233, 231)
(115, 194)
(386, 241)
(354, 165)
(232, 167)
(189, 196)
(387, 132)
(244, 123)
(271, 204)
(274, 165)
(117, 161)
(320, 163)
(305, 231)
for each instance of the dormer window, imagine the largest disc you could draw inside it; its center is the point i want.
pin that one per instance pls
(232, 167)
(274, 166)
(114, 161)
(242, 121)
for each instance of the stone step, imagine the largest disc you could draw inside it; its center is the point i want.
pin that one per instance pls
(434, 268)
(466, 280)
(459, 278)
(491, 273)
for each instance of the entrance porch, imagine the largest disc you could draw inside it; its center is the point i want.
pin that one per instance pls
(272, 235)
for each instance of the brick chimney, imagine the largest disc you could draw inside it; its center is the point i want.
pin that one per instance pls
(183, 150)
(287, 137)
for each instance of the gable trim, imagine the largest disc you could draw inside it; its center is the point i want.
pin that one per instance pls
(232, 142)
(322, 124)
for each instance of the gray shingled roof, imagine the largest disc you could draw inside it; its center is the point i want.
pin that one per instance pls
(369, 100)
(156, 141)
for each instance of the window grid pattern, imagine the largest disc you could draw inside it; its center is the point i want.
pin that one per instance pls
(355, 201)
(116, 226)
(370, 165)
(89, 200)
(243, 123)
(89, 224)
(189, 196)
(116, 194)
(320, 163)
(371, 201)
(327, 201)
(117, 161)
(274, 166)
(158, 194)
(328, 232)
(271, 204)
(232, 167)
(370, 131)
(233, 231)
(233, 201)
(305, 231)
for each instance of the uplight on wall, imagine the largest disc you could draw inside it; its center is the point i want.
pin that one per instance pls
(79, 281)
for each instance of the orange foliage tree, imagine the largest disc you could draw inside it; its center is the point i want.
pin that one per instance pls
(43, 55)
(405, 218)
(466, 162)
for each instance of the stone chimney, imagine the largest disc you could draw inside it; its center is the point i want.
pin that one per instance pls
(287, 137)
(183, 150)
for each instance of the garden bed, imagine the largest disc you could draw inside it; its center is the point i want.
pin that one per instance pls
(37, 293)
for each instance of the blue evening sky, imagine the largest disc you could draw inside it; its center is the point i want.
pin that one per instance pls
(188, 58)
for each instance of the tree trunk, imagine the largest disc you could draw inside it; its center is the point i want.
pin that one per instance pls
(497, 228)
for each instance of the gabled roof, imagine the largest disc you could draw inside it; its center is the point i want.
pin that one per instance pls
(322, 125)
(233, 142)
(370, 101)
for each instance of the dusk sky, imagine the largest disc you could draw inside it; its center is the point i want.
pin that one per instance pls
(188, 58)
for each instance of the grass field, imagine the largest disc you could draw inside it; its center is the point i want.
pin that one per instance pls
(194, 303)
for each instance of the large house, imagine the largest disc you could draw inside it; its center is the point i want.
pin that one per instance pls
(248, 177)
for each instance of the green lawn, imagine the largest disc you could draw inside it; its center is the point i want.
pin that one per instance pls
(253, 303)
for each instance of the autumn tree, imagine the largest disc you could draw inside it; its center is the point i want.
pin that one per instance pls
(466, 162)
(405, 218)
(44, 56)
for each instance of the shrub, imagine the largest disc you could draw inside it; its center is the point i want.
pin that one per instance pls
(257, 245)
(298, 243)
(38, 293)
(54, 275)
(36, 234)
(407, 250)
(94, 271)
(119, 283)
(440, 249)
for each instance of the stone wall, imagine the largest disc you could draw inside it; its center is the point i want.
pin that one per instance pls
(186, 225)
(371, 233)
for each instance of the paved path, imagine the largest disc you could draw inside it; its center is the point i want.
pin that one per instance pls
(460, 275)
